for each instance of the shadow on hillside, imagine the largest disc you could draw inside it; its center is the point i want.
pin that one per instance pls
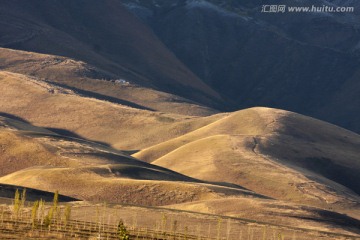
(8, 191)
(346, 176)
(14, 117)
(102, 97)
(59, 131)
(341, 219)
(130, 152)
(70, 134)
(321, 151)
(332, 218)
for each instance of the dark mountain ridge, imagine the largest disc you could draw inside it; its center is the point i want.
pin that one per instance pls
(222, 54)
(303, 62)
(101, 33)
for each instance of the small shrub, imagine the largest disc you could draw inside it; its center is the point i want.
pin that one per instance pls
(34, 213)
(67, 214)
(53, 210)
(17, 202)
(23, 198)
(122, 232)
(56, 200)
(41, 210)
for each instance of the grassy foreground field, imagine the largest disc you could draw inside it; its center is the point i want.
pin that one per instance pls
(83, 220)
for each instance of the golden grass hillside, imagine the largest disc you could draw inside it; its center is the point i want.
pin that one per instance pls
(272, 152)
(94, 82)
(248, 122)
(94, 172)
(229, 145)
(104, 113)
(216, 164)
(48, 105)
(37, 158)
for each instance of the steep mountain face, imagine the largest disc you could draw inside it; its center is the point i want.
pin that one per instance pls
(101, 33)
(302, 62)
(228, 55)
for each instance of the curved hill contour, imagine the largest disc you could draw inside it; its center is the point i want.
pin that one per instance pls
(85, 170)
(273, 152)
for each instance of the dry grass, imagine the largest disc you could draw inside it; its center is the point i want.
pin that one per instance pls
(247, 122)
(94, 81)
(234, 148)
(91, 221)
(94, 172)
(200, 163)
(274, 212)
(123, 127)
(19, 152)
(242, 147)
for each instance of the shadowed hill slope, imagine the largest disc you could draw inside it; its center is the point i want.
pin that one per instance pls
(103, 34)
(302, 62)
(8, 192)
(85, 83)
(273, 152)
(237, 148)
(94, 82)
(48, 105)
(37, 158)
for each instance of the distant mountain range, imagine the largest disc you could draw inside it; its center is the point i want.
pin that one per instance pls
(225, 55)
(304, 62)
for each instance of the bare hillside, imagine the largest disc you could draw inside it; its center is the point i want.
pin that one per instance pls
(273, 152)
(130, 51)
(90, 171)
(48, 105)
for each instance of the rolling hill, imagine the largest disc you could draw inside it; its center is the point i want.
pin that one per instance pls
(208, 160)
(90, 171)
(48, 105)
(94, 82)
(311, 161)
(126, 104)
